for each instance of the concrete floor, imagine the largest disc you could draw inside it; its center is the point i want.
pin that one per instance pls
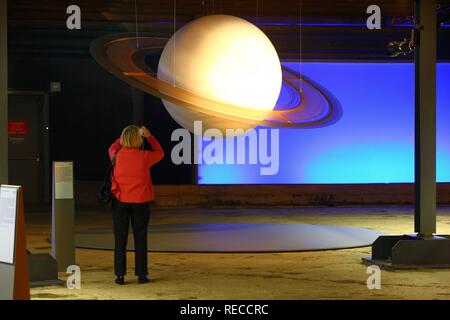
(335, 274)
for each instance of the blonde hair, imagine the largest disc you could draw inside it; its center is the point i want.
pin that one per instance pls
(131, 137)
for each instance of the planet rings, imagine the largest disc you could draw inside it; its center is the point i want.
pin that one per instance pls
(307, 106)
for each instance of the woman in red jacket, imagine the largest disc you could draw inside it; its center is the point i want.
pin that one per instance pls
(132, 188)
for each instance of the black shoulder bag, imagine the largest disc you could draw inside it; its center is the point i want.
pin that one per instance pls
(105, 195)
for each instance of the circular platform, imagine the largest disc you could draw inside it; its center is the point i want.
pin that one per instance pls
(237, 238)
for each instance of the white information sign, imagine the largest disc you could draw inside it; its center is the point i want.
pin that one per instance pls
(63, 175)
(8, 217)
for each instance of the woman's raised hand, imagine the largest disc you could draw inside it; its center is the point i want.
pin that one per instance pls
(145, 132)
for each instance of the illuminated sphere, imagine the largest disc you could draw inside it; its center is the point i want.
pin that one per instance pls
(225, 59)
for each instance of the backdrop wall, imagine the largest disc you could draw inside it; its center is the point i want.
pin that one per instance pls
(373, 142)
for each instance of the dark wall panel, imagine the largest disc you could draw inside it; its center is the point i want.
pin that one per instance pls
(90, 112)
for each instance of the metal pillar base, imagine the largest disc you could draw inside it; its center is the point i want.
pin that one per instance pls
(410, 252)
(43, 270)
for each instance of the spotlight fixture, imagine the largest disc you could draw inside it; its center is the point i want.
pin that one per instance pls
(400, 48)
(405, 47)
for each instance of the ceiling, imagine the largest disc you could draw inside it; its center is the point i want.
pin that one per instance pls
(328, 29)
(124, 10)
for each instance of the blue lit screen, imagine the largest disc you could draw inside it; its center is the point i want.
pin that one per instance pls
(373, 142)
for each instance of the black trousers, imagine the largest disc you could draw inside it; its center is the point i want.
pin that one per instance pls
(139, 215)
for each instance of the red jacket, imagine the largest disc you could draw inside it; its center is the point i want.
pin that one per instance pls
(131, 181)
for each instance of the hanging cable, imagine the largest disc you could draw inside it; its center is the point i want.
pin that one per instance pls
(300, 41)
(257, 12)
(174, 42)
(136, 23)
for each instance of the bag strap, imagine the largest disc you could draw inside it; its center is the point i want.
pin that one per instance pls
(113, 159)
(113, 163)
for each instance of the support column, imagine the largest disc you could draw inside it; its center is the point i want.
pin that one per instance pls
(424, 250)
(425, 119)
(3, 92)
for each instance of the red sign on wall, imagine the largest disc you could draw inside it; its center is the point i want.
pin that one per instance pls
(18, 128)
